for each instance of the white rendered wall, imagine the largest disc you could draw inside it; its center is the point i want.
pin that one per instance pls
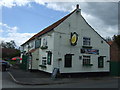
(35, 59)
(43, 53)
(75, 23)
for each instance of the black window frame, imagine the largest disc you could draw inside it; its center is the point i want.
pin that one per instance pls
(100, 62)
(68, 60)
(49, 57)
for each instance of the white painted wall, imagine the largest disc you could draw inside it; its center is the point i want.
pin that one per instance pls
(35, 59)
(58, 42)
(25, 47)
(75, 23)
(42, 53)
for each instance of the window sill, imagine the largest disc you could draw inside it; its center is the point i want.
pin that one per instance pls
(67, 67)
(100, 67)
(108, 61)
(86, 46)
(42, 66)
(88, 65)
(37, 47)
(48, 63)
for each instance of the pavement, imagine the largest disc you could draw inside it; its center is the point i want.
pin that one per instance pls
(25, 77)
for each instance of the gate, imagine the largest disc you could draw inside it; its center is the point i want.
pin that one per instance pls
(24, 64)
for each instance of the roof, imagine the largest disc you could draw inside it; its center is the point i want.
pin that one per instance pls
(110, 42)
(31, 51)
(49, 28)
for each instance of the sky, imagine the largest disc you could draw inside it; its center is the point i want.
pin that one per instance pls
(21, 19)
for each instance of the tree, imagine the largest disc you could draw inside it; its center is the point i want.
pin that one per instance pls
(9, 49)
(108, 39)
(10, 44)
(10, 53)
(13, 44)
(116, 38)
(3, 44)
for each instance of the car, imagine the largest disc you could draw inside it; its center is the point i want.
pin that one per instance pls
(4, 65)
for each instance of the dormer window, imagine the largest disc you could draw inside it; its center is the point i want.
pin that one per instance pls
(86, 41)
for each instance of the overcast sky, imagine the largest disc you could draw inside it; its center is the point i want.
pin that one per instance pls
(21, 19)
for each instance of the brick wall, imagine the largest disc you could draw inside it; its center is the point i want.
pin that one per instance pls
(114, 52)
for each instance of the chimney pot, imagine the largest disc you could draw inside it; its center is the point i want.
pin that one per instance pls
(77, 6)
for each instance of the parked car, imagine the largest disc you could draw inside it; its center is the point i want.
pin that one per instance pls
(4, 65)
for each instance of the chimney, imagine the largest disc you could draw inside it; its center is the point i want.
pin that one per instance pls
(78, 10)
(77, 6)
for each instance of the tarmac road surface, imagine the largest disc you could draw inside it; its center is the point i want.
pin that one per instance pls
(7, 82)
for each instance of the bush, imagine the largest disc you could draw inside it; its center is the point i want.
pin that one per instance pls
(117, 40)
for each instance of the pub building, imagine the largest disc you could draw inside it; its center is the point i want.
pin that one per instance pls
(70, 45)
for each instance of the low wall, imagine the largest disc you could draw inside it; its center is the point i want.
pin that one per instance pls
(115, 68)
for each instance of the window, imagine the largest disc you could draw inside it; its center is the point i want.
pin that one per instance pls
(49, 58)
(68, 60)
(32, 44)
(43, 60)
(86, 60)
(37, 43)
(44, 42)
(100, 62)
(86, 41)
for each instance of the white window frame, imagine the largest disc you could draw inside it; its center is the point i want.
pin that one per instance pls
(86, 60)
(86, 41)
(44, 61)
(44, 41)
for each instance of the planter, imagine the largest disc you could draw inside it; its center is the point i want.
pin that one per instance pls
(45, 47)
(42, 66)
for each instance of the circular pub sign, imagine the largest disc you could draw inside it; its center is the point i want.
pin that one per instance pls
(74, 38)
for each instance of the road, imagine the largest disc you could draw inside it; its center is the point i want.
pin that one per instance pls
(7, 82)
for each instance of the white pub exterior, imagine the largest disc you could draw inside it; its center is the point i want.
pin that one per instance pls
(70, 44)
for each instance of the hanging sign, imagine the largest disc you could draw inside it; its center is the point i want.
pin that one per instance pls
(74, 38)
